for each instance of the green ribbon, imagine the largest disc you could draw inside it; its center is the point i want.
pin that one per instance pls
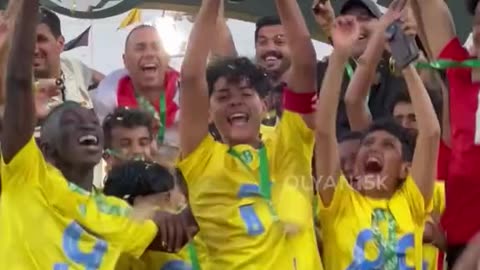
(265, 184)
(446, 64)
(349, 70)
(388, 244)
(192, 254)
(440, 64)
(161, 117)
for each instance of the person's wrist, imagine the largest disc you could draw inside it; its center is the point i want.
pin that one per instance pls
(340, 54)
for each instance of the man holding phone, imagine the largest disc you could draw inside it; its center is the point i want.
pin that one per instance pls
(386, 84)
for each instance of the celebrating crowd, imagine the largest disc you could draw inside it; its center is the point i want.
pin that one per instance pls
(364, 160)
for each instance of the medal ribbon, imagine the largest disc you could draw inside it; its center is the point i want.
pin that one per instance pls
(161, 117)
(192, 254)
(349, 70)
(387, 245)
(445, 64)
(265, 185)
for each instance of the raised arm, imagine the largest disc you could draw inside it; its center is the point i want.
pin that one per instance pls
(324, 16)
(224, 44)
(304, 60)
(435, 16)
(426, 149)
(344, 34)
(7, 18)
(194, 91)
(356, 96)
(19, 117)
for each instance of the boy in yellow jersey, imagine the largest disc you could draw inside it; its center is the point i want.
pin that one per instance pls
(379, 225)
(251, 197)
(47, 221)
(140, 181)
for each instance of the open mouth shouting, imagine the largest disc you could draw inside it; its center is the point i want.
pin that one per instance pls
(373, 165)
(90, 142)
(238, 119)
(149, 68)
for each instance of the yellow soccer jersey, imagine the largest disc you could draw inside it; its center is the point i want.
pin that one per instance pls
(47, 223)
(430, 252)
(348, 233)
(236, 224)
(153, 260)
(267, 132)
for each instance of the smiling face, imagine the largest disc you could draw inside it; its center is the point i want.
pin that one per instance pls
(366, 23)
(47, 52)
(237, 111)
(272, 51)
(379, 164)
(79, 138)
(145, 57)
(129, 143)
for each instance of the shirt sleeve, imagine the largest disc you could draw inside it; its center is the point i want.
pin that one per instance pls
(111, 218)
(104, 101)
(196, 162)
(342, 190)
(456, 52)
(85, 71)
(443, 161)
(415, 200)
(293, 152)
(26, 167)
(294, 135)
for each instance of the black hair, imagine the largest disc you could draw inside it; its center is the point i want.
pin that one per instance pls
(138, 27)
(401, 96)
(51, 20)
(266, 21)
(236, 69)
(471, 6)
(350, 136)
(390, 126)
(138, 178)
(126, 118)
(435, 97)
(51, 123)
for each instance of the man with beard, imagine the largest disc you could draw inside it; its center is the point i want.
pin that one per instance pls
(273, 54)
(77, 78)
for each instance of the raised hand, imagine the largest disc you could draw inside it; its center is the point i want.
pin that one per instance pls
(345, 33)
(46, 89)
(323, 14)
(396, 11)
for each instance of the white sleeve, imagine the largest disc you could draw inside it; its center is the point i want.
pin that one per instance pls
(105, 96)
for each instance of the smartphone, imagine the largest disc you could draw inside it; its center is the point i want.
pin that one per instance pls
(404, 48)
